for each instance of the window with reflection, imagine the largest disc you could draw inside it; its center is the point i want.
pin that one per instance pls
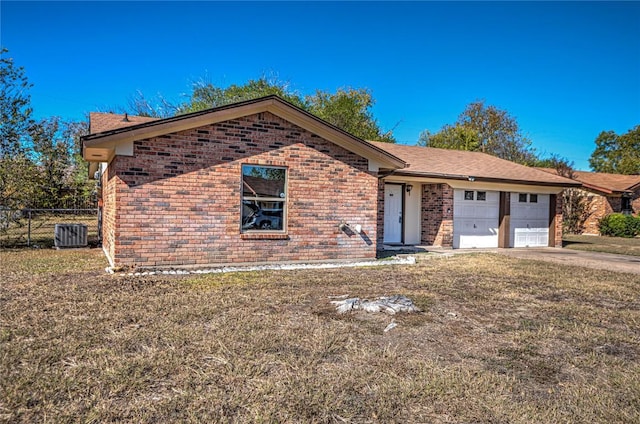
(263, 198)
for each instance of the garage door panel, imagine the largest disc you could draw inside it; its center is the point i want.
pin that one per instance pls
(529, 220)
(475, 222)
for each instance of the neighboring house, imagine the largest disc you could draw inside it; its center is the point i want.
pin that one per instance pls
(606, 193)
(263, 180)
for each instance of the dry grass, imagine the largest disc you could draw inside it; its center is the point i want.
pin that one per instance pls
(619, 245)
(500, 340)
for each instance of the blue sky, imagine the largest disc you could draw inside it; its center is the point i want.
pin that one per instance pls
(566, 71)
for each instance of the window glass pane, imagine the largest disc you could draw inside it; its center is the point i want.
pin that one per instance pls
(482, 195)
(533, 198)
(257, 215)
(261, 181)
(263, 197)
(626, 204)
(468, 195)
(522, 197)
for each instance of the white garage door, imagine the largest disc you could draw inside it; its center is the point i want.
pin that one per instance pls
(529, 220)
(475, 218)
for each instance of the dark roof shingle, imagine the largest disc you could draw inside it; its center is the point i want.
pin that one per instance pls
(461, 164)
(604, 182)
(101, 122)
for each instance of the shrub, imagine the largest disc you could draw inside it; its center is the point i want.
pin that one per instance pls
(575, 210)
(619, 225)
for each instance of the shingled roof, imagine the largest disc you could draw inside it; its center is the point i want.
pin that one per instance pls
(462, 165)
(101, 122)
(604, 182)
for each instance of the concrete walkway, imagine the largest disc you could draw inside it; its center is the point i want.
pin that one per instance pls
(594, 260)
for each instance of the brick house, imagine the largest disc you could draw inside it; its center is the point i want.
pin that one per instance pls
(263, 180)
(606, 194)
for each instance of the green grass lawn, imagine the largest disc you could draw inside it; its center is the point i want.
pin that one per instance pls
(619, 245)
(500, 340)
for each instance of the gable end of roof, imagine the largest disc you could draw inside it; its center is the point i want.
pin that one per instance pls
(108, 139)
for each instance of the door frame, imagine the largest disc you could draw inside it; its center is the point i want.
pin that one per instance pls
(402, 210)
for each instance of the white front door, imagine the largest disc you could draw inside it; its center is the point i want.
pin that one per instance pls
(475, 218)
(392, 213)
(529, 220)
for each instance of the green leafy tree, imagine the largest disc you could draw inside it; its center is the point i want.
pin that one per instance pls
(485, 129)
(57, 153)
(19, 177)
(40, 162)
(575, 202)
(456, 137)
(206, 95)
(562, 166)
(15, 109)
(348, 109)
(20, 182)
(617, 154)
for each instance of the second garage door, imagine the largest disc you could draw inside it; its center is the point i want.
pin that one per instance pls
(475, 218)
(529, 220)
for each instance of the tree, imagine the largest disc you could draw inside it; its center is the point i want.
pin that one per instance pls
(455, 137)
(17, 171)
(617, 154)
(158, 107)
(562, 166)
(15, 109)
(486, 129)
(206, 95)
(20, 181)
(40, 162)
(349, 109)
(575, 202)
(57, 153)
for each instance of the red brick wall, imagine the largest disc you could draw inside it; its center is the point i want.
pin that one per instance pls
(598, 207)
(558, 220)
(179, 197)
(635, 202)
(437, 215)
(601, 206)
(109, 211)
(380, 212)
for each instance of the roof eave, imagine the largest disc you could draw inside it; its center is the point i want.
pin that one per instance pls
(486, 179)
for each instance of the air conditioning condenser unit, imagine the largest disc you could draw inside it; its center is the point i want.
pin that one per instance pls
(70, 235)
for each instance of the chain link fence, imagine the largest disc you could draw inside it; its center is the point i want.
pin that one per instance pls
(36, 227)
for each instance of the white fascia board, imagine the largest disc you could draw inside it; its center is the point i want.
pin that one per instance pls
(478, 185)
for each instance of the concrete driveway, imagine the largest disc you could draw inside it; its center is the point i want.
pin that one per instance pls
(596, 260)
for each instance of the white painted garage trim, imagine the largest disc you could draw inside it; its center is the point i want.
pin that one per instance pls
(529, 220)
(475, 218)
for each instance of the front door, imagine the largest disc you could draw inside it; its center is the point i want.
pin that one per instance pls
(392, 213)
